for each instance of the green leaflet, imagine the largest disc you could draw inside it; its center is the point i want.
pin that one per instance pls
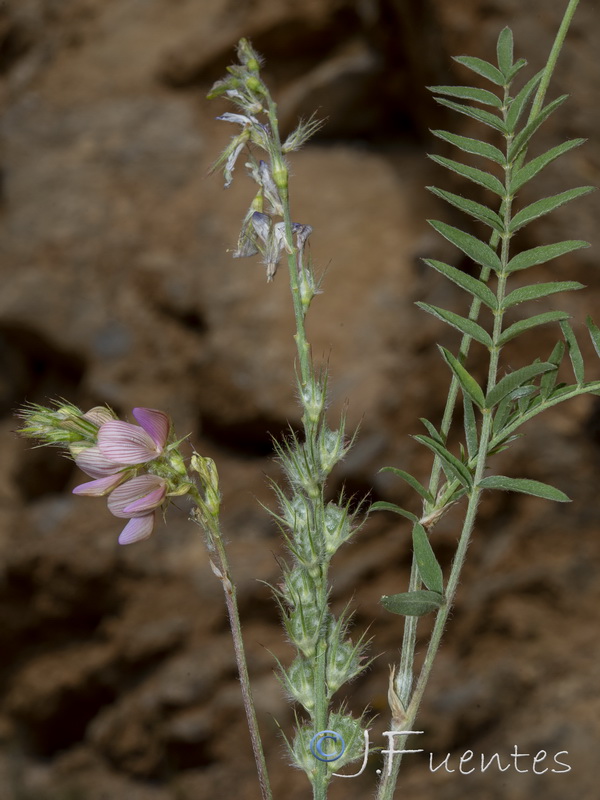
(470, 426)
(514, 380)
(456, 467)
(470, 207)
(432, 430)
(549, 378)
(537, 290)
(483, 68)
(462, 324)
(531, 169)
(469, 93)
(412, 604)
(479, 114)
(594, 334)
(473, 146)
(517, 67)
(539, 255)
(467, 382)
(545, 206)
(476, 250)
(380, 505)
(471, 173)
(574, 352)
(525, 486)
(430, 571)
(504, 51)
(518, 103)
(526, 324)
(521, 139)
(412, 481)
(475, 287)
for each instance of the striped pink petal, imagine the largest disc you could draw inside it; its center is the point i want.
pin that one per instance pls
(137, 529)
(155, 423)
(125, 443)
(94, 463)
(138, 496)
(99, 487)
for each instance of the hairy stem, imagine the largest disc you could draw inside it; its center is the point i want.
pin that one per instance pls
(220, 566)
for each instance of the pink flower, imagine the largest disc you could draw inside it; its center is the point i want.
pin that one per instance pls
(137, 499)
(121, 446)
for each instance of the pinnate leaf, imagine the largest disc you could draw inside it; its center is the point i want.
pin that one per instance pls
(527, 324)
(412, 604)
(531, 169)
(478, 251)
(462, 324)
(473, 146)
(545, 206)
(525, 486)
(467, 282)
(539, 255)
(537, 290)
(430, 571)
(471, 173)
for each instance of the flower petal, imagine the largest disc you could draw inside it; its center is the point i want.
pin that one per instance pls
(148, 502)
(137, 529)
(99, 415)
(94, 463)
(125, 443)
(99, 487)
(134, 490)
(155, 423)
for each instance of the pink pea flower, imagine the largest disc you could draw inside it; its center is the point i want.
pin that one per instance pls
(121, 446)
(136, 500)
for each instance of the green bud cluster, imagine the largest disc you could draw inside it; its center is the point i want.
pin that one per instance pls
(63, 425)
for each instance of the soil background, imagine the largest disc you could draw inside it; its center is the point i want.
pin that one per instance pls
(117, 677)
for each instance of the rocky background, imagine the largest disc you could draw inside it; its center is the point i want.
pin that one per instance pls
(117, 677)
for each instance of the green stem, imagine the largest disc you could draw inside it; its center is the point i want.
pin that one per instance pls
(220, 566)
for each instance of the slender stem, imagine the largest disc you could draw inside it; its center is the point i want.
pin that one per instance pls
(220, 566)
(553, 58)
